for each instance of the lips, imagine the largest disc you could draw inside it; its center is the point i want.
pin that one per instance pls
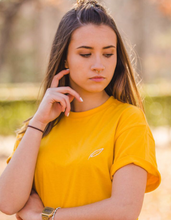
(97, 77)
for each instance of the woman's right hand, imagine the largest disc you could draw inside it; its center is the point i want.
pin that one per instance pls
(54, 102)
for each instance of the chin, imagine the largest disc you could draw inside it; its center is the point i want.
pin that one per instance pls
(95, 90)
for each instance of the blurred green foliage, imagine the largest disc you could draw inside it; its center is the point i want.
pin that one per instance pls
(13, 113)
(158, 110)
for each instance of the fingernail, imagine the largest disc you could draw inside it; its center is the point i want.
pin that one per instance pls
(81, 99)
(67, 69)
(68, 114)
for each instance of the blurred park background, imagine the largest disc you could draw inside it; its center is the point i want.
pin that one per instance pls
(27, 29)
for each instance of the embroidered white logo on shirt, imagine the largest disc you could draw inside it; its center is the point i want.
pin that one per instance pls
(96, 152)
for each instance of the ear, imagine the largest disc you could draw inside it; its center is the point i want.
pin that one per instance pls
(66, 64)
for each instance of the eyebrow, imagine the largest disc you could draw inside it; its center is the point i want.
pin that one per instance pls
(86, 47)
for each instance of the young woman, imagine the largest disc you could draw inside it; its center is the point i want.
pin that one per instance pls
(88, 152)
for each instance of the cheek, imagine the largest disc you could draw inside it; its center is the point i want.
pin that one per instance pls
(77, 67)
(76, 73)
(74, 61)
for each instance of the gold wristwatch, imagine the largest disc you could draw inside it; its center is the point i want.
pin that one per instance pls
(47, 213)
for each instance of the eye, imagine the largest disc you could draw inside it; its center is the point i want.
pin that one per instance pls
(108, 55)
(85, 55)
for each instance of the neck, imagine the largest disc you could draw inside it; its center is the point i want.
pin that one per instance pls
(90, 101)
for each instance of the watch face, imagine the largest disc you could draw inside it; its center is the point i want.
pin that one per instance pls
(48, 210)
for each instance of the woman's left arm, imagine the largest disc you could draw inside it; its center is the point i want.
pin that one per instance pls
(128, 188)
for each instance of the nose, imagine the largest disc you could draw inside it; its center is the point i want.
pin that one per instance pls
(97, 66)
(98, 69)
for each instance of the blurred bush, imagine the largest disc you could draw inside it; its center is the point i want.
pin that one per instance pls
(13, 113)
(158, 110)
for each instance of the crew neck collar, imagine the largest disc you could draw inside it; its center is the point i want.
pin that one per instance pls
(91, 111)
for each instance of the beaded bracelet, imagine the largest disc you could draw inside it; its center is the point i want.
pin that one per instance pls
(55, 213)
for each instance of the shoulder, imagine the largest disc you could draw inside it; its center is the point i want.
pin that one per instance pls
(130, 117)
(125, 116)
(128, 112)
(132, 114)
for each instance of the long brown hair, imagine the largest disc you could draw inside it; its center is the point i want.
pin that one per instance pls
(122, 86)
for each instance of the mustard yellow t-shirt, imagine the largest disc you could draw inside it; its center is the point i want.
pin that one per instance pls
(78, 158)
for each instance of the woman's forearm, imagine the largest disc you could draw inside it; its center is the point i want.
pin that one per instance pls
(17, 179)
(107, 209)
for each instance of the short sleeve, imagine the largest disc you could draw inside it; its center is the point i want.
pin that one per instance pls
(134, 143)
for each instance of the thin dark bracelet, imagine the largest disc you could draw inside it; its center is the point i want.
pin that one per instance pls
(35, 128)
